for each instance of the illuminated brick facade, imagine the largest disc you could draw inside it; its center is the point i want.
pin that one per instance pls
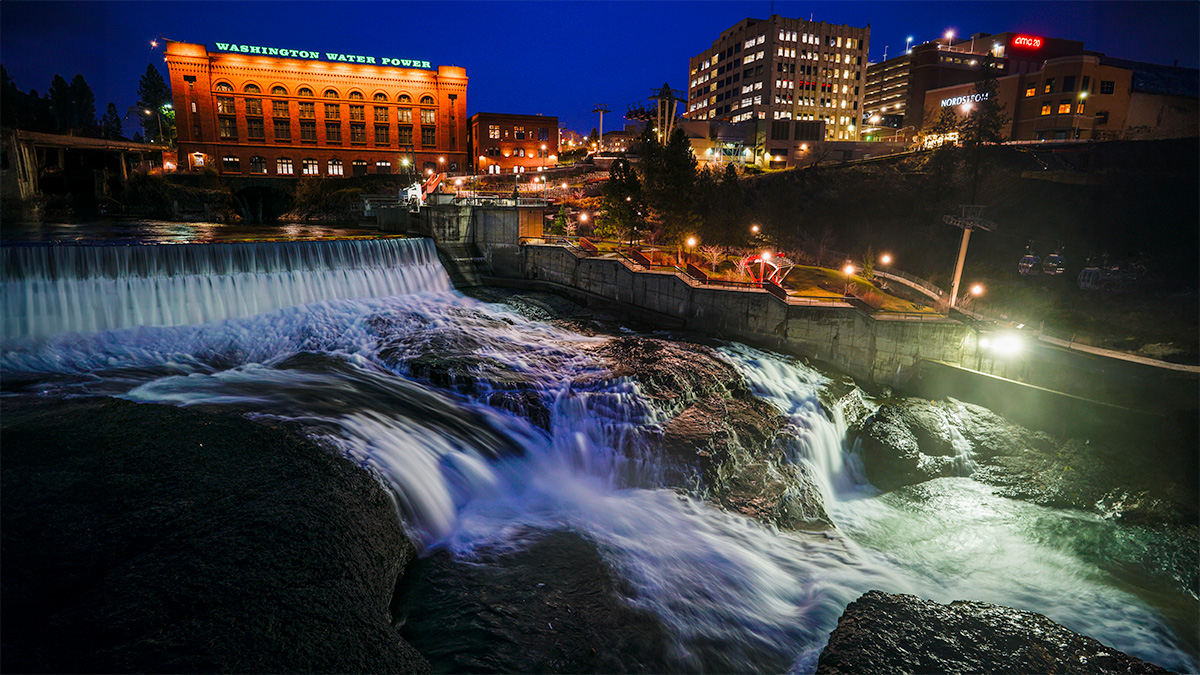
(502, 143)
(254, 114)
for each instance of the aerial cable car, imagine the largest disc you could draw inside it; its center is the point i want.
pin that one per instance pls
(1028, 264)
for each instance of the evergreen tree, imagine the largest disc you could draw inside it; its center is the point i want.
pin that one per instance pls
(62, 106)
(986, 120)
(623, 203)
(83, 107)
(670, 172)
(594, 138)
(110, 124)
(153, 94)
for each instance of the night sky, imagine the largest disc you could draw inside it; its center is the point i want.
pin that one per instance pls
(552, 58)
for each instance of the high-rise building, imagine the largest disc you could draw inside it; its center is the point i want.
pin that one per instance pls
(783, 69)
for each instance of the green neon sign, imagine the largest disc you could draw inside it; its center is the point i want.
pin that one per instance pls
(322, 56)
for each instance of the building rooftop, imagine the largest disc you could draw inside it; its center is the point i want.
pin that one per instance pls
(1151, 78)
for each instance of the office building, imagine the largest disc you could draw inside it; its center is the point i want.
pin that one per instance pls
(506, 143)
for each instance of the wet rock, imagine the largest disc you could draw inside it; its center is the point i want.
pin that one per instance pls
(549, 604)
(146, 538)
(733, 439)
(884, 633)
(891, 451)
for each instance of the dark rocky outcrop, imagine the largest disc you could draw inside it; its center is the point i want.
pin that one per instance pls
(146, 538)
(733, 439)
(884, 633)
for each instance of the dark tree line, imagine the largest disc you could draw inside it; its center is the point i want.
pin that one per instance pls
(70, 107)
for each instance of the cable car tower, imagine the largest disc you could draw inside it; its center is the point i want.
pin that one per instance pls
(969, 220)
(666, 99)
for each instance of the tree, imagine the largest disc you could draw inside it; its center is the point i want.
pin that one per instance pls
(559, 226)
(594, 137)
(669, 173)
(154, 95)
(62, 107)
(623, 203)
(713, 254)
(110, 124)
(985, 120)
(83, 107)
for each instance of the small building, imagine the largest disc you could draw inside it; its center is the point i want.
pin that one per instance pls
(508, 143)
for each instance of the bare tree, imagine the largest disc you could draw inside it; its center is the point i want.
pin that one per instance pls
(713, 254)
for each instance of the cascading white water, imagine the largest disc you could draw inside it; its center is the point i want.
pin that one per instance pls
(733, 595)
(50, 289)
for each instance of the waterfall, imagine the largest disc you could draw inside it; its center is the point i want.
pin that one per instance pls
(49, 289)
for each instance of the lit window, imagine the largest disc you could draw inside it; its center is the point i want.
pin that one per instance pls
(1049, 88)
(335, 167)
(225, 105)
(231, 164)
(428, 117)
(381, 114)
(1030, 91)
(383, 167)
(258, 164)
(1045, 107)
(404, 115)
(1064, 107)
(227, 128)
(283, 166)
(358, 167)
(310, 167)
(493, 131)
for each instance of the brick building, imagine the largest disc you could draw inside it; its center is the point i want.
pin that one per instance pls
(265, 111)
(504, 143)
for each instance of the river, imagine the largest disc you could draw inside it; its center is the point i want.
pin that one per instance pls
(324, 334)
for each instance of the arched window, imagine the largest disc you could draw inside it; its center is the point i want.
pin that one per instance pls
(380, 96)
(278, 91)
(258, 164)
(331, 93)
(356, 96)
(404, 98)
(252, 89)
(358, 167)
(223, 86)
(426, 100)
(335, 167)
(310, 167)
(305, 91)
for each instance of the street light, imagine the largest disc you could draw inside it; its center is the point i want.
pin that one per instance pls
(1079, 112)
(907, 43)
(977, 290)
(848, 269)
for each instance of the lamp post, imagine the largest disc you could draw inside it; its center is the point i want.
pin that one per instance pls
(1079, 112)
(886, 259)
(908, 45)
(848, 269)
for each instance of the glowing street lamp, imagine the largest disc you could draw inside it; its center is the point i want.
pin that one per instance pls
(907, 45)
(1079, 112)
(848, 269)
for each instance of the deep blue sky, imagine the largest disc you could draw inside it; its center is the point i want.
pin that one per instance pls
(553, 58)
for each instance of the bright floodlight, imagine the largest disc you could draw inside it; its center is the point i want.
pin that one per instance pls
(977, 289)
(848, 269)
(583, 216)
(754, 229)
(766, 255)
(1007, 344)
(691, 241)
(886, 259)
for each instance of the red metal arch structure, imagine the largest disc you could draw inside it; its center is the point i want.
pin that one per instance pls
(755, 266)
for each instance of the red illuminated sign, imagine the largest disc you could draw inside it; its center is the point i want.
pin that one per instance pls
(1027, 41)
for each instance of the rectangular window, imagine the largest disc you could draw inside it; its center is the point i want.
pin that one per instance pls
(1079, 107)
(283, 130)
(254, 128)
(518, 133)
(404, 135)
(383, 167)
(308, 110)
(493, 131)
(1069, 83)
(1064, 107)
(225, 105)
(1087, 81)
(335, 167)
(381, 114)
(231, 164)
(254, 106)
(333, 132)
(227, 127)
(283, 167)
(308, 131)
(258, 164)
(429, 136)
(1107, 86)
(1049, 88)
(1031, 91)
(381, 134)
(1045, 107)
(358, 133)
(333, 111)
(358, 113)
(310, 167)
(543, 134)
(428, 116)
(404, 115)
(279, 108)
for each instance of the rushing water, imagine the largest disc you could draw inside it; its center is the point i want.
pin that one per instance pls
(327, 336)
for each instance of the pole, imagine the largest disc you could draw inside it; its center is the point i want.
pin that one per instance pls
(958, 267)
